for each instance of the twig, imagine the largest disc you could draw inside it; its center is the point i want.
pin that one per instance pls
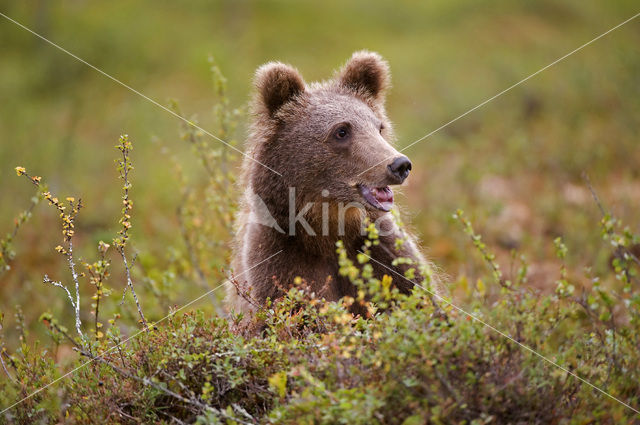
(6, 253)
(487, 256)
(74, 275)
(75, 306)
(117, 344)
(447, 386)
(98, 273)
(4, 366)
(173, 418)
(130, 285)
(587, 180)
(626, 250)
(149, 383)
(68, 231)
(66, 335)
(246, 295)
(177, 381)
(124, 167)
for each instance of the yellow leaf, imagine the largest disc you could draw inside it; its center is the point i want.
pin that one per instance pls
(278, 382)
(463, 282)
(386, 281)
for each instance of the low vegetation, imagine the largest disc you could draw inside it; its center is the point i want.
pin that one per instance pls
(510, 355)
(541, 320)
(523, 358)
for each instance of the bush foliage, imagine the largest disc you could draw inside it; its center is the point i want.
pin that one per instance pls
(511, 355)
(305, 361)
(498, 352)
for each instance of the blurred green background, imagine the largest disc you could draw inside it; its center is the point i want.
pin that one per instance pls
(514, 165)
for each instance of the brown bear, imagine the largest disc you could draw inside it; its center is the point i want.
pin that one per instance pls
(320, 161)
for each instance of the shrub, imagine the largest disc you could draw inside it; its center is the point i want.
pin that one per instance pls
(509, 355)
(314, 362)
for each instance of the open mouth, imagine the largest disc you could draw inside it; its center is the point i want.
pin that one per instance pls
(379, 197)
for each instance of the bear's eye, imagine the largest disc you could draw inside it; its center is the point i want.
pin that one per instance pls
(381, 128)
(342, 133)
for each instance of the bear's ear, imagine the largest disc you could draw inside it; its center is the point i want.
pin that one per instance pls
(366, 73)
(276, 84)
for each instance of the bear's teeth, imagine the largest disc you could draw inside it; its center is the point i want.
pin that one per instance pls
(379, 197)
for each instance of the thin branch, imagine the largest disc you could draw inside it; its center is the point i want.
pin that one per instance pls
(626, 250)
(66, 335)
(6, 254)
(74, 275)
(124, 167)
(68, 220)
(73, 304)
(149, 383)
(130, 285)
(173, 418)
(4, 366)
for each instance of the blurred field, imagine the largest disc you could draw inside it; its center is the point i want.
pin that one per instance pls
(514, 165)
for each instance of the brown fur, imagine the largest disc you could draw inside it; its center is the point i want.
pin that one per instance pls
(293, 132)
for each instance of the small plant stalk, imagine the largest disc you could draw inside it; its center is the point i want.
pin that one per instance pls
(124, 167)
(68, 225)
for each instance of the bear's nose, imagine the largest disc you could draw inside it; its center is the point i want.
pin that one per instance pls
(400, 168)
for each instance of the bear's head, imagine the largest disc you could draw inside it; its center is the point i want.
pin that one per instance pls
(331, 141)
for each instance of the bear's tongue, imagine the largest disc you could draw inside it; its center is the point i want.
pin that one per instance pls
(379, 197)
